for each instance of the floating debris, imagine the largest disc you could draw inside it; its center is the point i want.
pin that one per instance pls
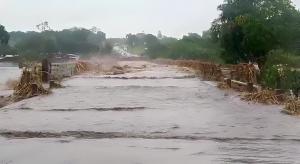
(265, 97)
(116, 70)
(223, 85)
(30, 84)
(244, 72)
(55, 84)
(292, 107)
(207, 70)
(82, 67)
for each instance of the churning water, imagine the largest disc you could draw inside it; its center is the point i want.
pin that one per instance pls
(158, 115)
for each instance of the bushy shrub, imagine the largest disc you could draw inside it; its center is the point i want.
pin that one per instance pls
(290, 59)
(281, 71)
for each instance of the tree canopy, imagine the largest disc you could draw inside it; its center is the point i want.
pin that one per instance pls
(74, 40)
(4, 36)
(191, 46)
(249, 29)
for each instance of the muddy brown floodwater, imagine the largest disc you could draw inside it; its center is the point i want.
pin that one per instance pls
(158, 115)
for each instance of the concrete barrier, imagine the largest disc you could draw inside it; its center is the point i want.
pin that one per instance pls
(62, 70)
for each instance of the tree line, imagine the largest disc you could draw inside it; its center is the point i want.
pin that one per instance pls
(191, 46)
(245, 31)
(4, 38)
(248, 30)
(35, 45)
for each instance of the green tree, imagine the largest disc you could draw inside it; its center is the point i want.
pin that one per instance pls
(75, 40)
(107, 48)
(191, 46)
(131, 40)
(249, 29)
(4, 36)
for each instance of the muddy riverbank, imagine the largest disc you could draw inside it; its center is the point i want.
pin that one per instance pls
(158, 114)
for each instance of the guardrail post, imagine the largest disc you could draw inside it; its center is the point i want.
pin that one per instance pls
(279, 94)
(45, 71)
(52, 84)
(228, 82)
(250, 87)
(34, 89)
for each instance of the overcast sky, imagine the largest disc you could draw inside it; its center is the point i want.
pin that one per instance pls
(114, 17)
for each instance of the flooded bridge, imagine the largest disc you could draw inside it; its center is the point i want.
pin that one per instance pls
(153, 114)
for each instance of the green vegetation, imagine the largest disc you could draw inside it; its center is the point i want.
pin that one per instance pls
(4, 38)
(290, 59)
(136, 43)
(266, 32)
(248, 30)
(281, 71)
(281, 77)
(76, 40)
(35, 45)
(192, 46)
(262, 31)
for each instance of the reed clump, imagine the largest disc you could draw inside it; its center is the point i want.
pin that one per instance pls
(30, 84)
(265, 97)
(292, 107)
(223, 86)
(209, 71)
(82, 67)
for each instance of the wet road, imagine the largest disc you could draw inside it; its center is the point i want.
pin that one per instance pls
(156, 115)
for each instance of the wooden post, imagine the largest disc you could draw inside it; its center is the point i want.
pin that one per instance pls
(34, 89)
(219, 74)
(228, 82)
(280, 94)
(52, 84)
(45, 70)
(297, 92)
(250, 87)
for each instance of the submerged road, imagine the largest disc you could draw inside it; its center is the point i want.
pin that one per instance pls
(155, 115)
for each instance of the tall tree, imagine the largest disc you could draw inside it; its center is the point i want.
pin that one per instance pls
(131, 40)
(4, 36)
(249, 29)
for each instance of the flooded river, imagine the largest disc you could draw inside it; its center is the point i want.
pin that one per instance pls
(157, 115)
(8, 71)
